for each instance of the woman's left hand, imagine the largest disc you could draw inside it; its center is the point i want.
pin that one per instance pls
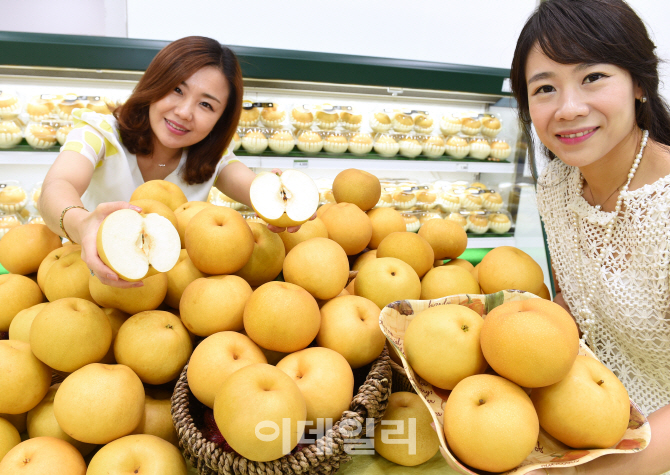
(290, 229)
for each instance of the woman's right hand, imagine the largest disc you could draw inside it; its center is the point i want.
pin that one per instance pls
(88, 232)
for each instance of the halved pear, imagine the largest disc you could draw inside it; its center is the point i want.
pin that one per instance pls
(136, 246)
(289, 199)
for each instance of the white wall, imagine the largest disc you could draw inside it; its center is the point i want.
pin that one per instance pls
(476, 32)
(67, 17)
(656, 14)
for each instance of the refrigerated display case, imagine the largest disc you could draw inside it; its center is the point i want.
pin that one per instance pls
(343, 94)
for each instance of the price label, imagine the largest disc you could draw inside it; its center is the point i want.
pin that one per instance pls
(250, 105)
(300, 163)
(462, 167)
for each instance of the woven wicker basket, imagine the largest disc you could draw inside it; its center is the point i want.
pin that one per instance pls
(322, 457)
(400, 379)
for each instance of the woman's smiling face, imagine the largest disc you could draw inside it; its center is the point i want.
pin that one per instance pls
(581, 112)
(189, 112)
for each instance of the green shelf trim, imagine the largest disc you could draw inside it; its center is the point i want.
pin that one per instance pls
(128, 54)
(474, 256)
(296, 155)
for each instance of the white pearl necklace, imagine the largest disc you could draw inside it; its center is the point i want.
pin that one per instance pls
(588, 292)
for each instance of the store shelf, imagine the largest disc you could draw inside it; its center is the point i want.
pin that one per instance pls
(474, 166)
(489, 242)
(34, 157)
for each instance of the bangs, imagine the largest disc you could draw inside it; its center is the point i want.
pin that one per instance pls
(577, 32)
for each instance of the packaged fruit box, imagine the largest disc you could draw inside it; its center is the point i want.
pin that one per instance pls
(548, 452)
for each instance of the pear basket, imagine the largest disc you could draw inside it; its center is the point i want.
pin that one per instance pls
(322, 456)
(549, 452)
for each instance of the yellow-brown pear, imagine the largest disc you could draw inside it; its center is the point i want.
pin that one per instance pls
(384, 222)
(184, 215)
(532, 342)
(348, 226)
(154, 206)
(25, 379)
(43, 455)
(218, 240)
(201, 310)
(70, 333)
(20, 326)
(68, 277)
(164, 191)
(154, 456)
(424, 344)
(350, 326)
(310, 229)
(266, 322)
(217, 357)
(157, 420)
(23, 248)
(447, 238)
(387, 279)
(357, 187)
(587, 409)
(179, 277)
(364, 258)
(409, 409)
(313, 369)
(51, 259)
(99, 403)
(506, 268)
(132, 300)
(9, 437)
(318, 265)
(479, 415)
(154, 344)
(17, 293)
(410, 248)
(266, 259)
(41, 422)
(447, 280)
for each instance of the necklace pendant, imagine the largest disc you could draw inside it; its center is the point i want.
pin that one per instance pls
(598, 207)
(161, 164)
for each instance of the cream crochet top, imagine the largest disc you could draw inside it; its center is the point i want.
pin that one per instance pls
(631, 335)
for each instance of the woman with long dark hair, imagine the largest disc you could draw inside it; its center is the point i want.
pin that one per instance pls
(176, 126)
(585, 76)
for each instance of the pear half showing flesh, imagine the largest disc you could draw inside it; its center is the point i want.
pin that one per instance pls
(289, 199)
(136, 246)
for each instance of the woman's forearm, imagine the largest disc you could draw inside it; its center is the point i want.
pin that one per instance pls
(57, 194)
(63, 186)
(235, 180)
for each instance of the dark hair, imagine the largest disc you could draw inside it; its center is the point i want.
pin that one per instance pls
(593, 31)
(171, 66)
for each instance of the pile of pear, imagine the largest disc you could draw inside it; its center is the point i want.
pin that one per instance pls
(209, 297)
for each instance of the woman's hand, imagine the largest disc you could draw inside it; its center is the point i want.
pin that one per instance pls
(89, 250)
(290, 229)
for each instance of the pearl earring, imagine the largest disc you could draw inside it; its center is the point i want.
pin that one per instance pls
(643, 99)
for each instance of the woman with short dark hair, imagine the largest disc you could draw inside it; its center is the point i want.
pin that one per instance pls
(585, 76)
